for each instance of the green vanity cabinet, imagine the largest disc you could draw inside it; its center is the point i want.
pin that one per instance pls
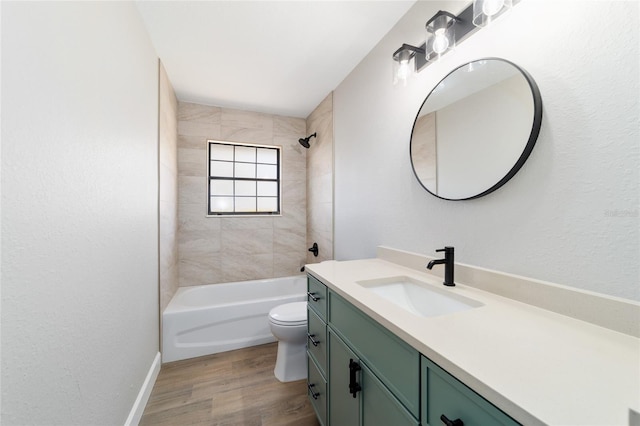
(394, 385)
(443, 394)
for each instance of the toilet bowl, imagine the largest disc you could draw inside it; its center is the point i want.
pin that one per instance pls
(288, 324)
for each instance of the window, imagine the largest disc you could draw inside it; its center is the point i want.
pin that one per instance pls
(244, 179)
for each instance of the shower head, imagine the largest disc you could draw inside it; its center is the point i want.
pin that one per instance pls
(305, 141)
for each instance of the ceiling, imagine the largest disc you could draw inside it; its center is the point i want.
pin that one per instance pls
(278, 57)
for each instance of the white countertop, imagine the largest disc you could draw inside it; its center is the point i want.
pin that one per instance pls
(538, 366)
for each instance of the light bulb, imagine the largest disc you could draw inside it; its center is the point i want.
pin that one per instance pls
(403, 71)
(402, 68)
(440, 41)
(491, 7)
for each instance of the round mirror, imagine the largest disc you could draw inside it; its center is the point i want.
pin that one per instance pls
(475, 129)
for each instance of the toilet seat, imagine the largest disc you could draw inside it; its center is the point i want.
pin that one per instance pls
(289, 314)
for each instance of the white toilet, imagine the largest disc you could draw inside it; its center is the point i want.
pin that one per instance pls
(288, 324)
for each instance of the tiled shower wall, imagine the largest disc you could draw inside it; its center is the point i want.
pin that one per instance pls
(223, 249)
(320, 181)
(167, 145)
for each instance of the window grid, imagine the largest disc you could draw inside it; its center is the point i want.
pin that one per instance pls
(244, 202)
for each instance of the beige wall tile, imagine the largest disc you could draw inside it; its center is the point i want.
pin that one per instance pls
(192, 162)
(192, 190)
(288, 264)
(205, 130)
(289, 126)
(168, 184)
(320, 188)
(167, 287)
(289, 240)
(294, 217)
(320, 181)
(168, 194)
(193, 142)
(168, 259)
(222, 249)
(248, 267)
(192, 217)
(247, 222)
(198, 243)
(246, 119)
(200, 270)
(242, 134)
(246, 242)
(321, 218)
(197, 113)
(323, 112)
(294, 191)
(168, 223)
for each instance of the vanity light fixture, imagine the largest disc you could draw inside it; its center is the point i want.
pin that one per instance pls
(444, 31)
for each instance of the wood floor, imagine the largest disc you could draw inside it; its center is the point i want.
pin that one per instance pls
(231, 388)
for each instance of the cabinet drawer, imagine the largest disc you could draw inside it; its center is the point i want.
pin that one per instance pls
(392, 360)
(317, 340)
(317, 297)
(317, 391)
(443, 394)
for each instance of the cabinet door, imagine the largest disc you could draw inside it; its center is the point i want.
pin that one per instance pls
(344, 409)
(379, 406)
(444, 395)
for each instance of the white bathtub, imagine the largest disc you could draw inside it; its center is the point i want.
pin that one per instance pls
(208, 319)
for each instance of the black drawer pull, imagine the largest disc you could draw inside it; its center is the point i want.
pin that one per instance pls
(313, 342)
(447, 422)
(354, 387)
(313, 296)
(314, 395)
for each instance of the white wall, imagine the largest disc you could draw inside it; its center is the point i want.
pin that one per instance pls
(80, 216)
(570, 215)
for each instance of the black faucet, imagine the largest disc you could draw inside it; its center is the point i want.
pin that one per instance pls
(448, 265)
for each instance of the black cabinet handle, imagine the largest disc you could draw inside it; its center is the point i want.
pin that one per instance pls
(313, 296)
(354, 387)
(314, 395)
(313, 342)
(447, 422)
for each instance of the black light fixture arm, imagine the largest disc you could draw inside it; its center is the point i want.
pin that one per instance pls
(409, 47)
(439, 14)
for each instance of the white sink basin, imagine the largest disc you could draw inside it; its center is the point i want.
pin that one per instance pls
(418, 297)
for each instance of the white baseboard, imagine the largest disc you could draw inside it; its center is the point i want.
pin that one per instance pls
(145, 391)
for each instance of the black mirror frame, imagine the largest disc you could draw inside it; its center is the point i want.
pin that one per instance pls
(533, 136)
